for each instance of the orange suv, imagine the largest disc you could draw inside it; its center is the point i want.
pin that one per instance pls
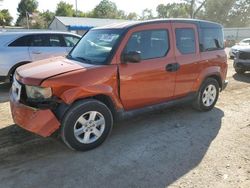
(118, 71)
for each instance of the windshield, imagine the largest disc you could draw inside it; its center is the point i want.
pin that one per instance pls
(245, 41)
(95, 47)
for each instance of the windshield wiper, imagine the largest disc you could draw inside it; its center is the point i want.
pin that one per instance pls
(84, 59)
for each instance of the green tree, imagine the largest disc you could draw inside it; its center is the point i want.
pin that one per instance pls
(194, 7)
(239, 15)
(106, 9)
(64, 9)
(121, 14)
(47, 17)
(38, 22)
(132, 16)
(35, 22)
(172, 10)
(25, 6)
(147, 14)
(80, 14)
(218, 11)
(230, 13)
(5, 17)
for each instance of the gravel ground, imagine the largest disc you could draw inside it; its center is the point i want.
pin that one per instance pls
(177, 147)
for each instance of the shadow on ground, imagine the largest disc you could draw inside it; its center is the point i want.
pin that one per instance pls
(242, 77)
(4, 92)
(149, 151)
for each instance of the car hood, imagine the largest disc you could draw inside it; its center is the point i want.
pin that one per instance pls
(36, 72)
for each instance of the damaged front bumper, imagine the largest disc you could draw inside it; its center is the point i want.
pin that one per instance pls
(40, 121)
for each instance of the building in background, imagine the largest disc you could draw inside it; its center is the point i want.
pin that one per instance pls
(236, 34)
(80, 25)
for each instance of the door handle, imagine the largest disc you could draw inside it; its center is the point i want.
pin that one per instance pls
(36, 52)
(172, 67)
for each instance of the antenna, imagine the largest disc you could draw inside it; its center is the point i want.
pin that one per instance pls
(76, 8)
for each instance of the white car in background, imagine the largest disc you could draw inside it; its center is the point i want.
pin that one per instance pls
(245, 43)
(19, 48)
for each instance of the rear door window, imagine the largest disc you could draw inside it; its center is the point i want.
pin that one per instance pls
(185, 40)
(56, 40)
(151, 43)
(40, 41)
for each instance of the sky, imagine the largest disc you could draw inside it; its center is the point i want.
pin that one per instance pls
(87, 5)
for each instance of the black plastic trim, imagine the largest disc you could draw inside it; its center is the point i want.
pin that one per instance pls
(122, 114)
(42, 104)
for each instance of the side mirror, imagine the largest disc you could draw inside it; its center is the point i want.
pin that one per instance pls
(133, 56)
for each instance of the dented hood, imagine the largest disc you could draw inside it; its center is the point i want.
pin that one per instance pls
(36, 72)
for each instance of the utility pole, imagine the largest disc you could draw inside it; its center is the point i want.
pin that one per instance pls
(3, 17)
(76, 8)
(27, 19)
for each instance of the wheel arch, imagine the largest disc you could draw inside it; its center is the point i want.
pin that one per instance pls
(12, 70)
(217, 78)
(209, 72)
(105, 99)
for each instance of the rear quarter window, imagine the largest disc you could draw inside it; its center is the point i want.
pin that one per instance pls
(23, 41)
(211, 39)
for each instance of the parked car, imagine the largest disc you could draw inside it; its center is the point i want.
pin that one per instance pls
(119, 71)
(242, 61)
(245, 43)
(19, 48)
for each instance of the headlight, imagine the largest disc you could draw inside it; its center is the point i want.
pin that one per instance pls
(35, 92)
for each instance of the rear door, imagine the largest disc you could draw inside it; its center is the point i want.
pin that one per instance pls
(14, 53)
(147, 82)
(43, 46)
(187, 56)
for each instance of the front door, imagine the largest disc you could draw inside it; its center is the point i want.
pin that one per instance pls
(151, 80)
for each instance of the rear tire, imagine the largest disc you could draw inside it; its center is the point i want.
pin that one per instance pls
(207, 95)
(86, 125)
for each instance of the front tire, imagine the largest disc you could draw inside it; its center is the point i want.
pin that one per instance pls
(207, 95)
(86, 125)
